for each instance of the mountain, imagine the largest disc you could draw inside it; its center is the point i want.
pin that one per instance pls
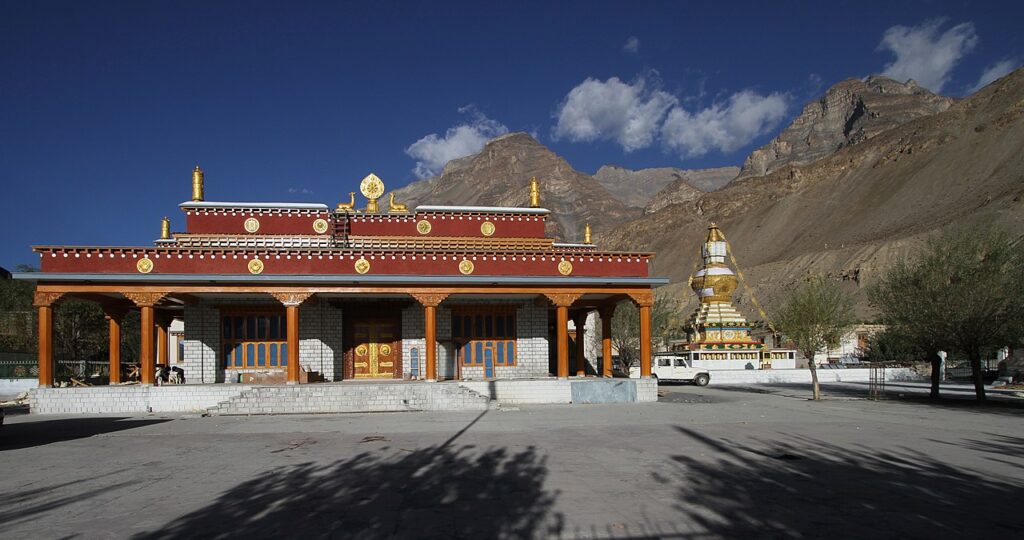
(849, 214)
(499, 175)
(849, 113)
(639, 188)
(690, 185)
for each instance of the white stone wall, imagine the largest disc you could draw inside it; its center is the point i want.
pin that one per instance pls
(320, 334)
(130, 398)
(202, 363)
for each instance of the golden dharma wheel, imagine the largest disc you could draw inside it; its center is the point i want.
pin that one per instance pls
(255, 266)
(565, 267)
(145, 265)
(487, 228)
(362, 266)
(466, 267)
(320, 226)
(251, 225)
(423, 226)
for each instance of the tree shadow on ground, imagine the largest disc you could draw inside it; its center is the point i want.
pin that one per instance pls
(436, 492)
(808, 488)
(28, 434)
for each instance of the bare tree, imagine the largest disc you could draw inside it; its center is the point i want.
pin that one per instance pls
(665, 326)
(816, 316)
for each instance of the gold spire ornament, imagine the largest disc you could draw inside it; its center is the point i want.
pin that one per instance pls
(165, 229)
(372, 188)
(534, 193)
(586, 234)
(197, 184)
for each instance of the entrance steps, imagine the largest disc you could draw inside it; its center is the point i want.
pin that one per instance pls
(353, 397)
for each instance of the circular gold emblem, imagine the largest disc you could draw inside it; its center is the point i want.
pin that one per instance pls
(466, 267)
(371, 187)
(423, 226)
(487, 228)
(144, 265)
(361, 350)
(255, 266)
(320, 226)
(565, 267)
(385, 350)
(362, 265)
(252, 225)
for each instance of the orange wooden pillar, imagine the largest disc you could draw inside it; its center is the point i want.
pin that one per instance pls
(430, 301)
(114, 319)
(562, 301)
(44, 302)
(606, 313)
(292, 301)
(645, 340)
(580, 322)
(163, 351)
(145, 301)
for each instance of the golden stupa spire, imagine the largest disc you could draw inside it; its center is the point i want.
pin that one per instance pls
(534, 193)
(197, 184)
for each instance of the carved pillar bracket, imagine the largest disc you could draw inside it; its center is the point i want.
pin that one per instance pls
(607, 311)
(45, 299)
(145, 299)
(429, 299)
(289, 298)
(642, 299)
(563, 299)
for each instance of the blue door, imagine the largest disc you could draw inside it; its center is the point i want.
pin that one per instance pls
(489, 360)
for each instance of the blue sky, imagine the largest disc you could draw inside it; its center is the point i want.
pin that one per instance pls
(107, 106)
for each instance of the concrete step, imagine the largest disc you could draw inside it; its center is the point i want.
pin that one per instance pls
(329, 398)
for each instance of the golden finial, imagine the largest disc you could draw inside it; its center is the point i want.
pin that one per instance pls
(534, 193)
(372, 188)
(586, 234)
(165, 229)
(197, 184)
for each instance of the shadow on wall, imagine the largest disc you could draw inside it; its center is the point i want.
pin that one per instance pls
(808, 488)
(437, 492)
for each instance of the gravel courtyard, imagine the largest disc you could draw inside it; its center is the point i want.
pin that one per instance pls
(703, 462)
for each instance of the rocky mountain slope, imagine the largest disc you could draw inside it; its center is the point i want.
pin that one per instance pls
(850, 112)
(689, 185)
(639, 188)
(851, 213)
(499, 175)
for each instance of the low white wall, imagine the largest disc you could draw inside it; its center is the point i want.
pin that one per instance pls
(130, 398)
(748, 376)
(539, 391)
(17, 386)
(719, 365)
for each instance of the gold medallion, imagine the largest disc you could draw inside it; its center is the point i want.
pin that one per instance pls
(361, 351)
(487, 228)
(371, 187)
(385, 350)
(252, 225)
(144, 265)
(362, 265)
(565, 267)
(255, 266)
(423, 226)
(320, 226)
(466, 267)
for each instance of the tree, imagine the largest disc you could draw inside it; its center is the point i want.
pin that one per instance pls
(17, 315)
(626, 327)
(816, 316)
(962, 294)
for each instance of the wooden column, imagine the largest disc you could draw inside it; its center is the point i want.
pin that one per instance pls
(114, 317)
(606, 313)
(44, 302)
(163, 350)
(562, 301)
(430, 301)
(580, 321)
(145, 301)
(292, 301)
(644, 302)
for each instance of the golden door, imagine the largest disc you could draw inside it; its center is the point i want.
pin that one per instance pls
(375, 355)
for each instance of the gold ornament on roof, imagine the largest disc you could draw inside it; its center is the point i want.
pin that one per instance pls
(320, 226)
(397, 208)
(487, 228)
(586, 234)
(565, 267)
(165, 229)
(372, 188)
(362, 266)
(144, 265)
(534, 193)
(350, 205)
(423, 226)
(197, 184)
(255, 266)
(466, 267)
(251, 225)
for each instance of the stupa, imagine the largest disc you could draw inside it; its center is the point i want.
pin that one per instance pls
(716, 324)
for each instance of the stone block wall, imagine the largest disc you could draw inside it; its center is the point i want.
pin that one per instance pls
(320, 332)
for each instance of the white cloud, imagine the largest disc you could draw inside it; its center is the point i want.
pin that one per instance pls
(632, 45)
(925, 55)
(303, 191)
(627, 113)
(724, 126)
(994, 72)
(432, 152)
